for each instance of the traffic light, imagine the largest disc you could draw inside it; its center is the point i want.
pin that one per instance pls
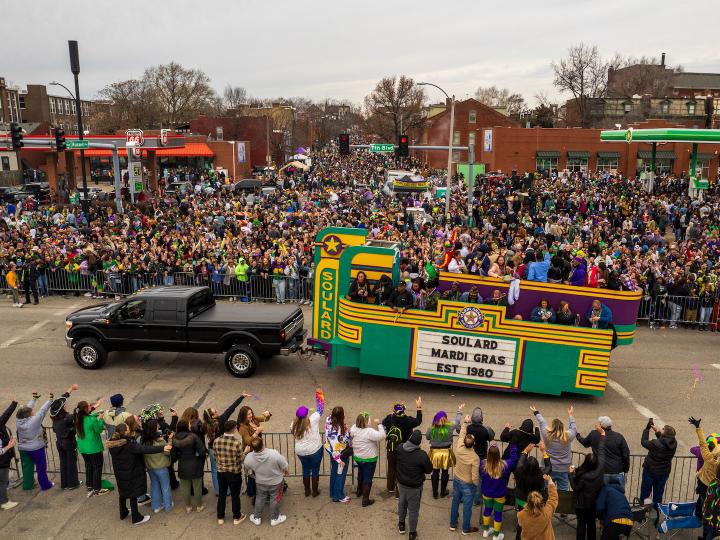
(60, 144)
(344, 144)
(403, 148)
(16, 136)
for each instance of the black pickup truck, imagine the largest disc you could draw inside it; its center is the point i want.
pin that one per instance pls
(185, 319)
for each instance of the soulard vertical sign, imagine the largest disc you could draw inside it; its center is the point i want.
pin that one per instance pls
(326, 306)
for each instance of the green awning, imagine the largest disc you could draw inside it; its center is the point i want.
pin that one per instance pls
(548, 154)
(608, 154)
(706, 156)
(660, 154)
(577, 154)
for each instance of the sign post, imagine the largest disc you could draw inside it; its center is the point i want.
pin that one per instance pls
(382, 147)
(134, 169)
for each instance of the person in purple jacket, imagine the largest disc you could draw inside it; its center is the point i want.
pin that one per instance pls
(494, 475)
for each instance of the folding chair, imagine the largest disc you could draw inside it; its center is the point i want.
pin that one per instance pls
(640, 517)
(677, 516)
(565, 511)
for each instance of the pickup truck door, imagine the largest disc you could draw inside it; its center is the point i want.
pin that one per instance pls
(166, 326)
(127, 331)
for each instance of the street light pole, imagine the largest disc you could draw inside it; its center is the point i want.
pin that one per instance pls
(75, 68)
(448, 189)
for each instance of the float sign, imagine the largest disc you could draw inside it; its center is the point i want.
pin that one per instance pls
(476, 359)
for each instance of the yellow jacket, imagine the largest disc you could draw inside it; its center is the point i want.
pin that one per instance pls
(709, 469)
(12, 279)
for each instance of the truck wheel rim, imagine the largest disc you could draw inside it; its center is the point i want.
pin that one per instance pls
(240, 362)
(88, 355)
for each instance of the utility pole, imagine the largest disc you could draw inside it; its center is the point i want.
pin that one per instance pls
(448, 191)
(75, 68)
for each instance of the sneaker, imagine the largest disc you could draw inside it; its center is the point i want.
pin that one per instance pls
(20, 305)
(471, 530)
(91, 493)
(145, 519)
(255, 520)
(200, 508)
(88, 295)
(280, 519)
(453, 528)
(74, 487)
(345, 500)
(221, 521)
(102, 491)
(156, 510)
(499, 536)
(401, 527)
(412, 536)
(145, 501)
(486, 533)
(9, 505)
(188, 509)
(239, 521)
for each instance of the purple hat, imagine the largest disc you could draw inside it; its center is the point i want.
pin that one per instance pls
(301, 411)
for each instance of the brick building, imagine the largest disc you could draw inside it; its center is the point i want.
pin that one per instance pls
(9, 103)
(471, 119)
(255, 130)
(531, 149)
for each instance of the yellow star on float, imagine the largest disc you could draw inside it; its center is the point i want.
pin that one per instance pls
(332, 245)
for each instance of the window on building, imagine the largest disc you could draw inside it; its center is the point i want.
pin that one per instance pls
(691, 108)
(546, 163)
(67, 106)
(577, 164)
(662, 166)
(52, 105)
(456, 138)
(21, 99)
(73, 109)
(665, 107)
(471, 138)
(627, 107)
(704, 165)
(472, 117)
(608, 163)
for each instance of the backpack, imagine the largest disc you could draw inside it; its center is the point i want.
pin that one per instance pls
(393, 438)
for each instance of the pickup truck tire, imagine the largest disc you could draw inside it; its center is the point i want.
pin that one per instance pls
(89, 353)
(241, 361)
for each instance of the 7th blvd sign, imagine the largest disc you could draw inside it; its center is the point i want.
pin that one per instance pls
(382, 147)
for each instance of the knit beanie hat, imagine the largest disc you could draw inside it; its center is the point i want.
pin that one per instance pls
(416, 437)
(117, 400)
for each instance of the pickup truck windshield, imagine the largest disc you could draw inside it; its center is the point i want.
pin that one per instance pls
(199, 302)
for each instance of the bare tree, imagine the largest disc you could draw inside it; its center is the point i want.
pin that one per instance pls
(182, 93)
(545, 112)
(395, 106)
(583, 73)
(126, 104)
(492, 96)
(234, 96)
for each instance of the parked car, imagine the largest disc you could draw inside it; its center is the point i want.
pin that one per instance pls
(179, 187)
(185, 319)
(40, 191)
(8, 194)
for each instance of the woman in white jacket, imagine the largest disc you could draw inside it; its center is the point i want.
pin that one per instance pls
(308, 442)
(365, 441)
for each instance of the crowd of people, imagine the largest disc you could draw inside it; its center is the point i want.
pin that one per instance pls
(174, 454)
(579, 228)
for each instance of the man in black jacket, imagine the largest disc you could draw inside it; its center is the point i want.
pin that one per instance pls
(617, 453)
(64, 429)
(398, 421)
(29, 277)
(401, 299)
(7, 453)
(413, 464)
(657, 464)
(482, 434)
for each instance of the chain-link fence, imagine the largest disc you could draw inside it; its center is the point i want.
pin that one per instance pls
(680, 485)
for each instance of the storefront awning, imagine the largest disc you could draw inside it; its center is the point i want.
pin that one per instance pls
(189, 150)
(660, 154)
(578, 154)
(608, 154)
(548, 154)
(706, 156)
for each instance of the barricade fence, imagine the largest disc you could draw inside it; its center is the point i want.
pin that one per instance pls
(680, 486)
(690, 311)
(106, 284)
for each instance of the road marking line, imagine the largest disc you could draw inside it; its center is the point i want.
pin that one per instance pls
(644, 411)
(716, 366)
(33, 328)
(66, 310)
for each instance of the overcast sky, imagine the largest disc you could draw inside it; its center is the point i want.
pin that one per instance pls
(340, 49)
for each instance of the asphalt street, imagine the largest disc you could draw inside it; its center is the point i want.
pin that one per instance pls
(667, 375)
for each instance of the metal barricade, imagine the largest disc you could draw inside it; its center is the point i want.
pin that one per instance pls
(680, 485)
(675, 310)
